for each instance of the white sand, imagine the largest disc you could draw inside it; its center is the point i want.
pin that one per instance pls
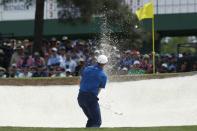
(165, 102)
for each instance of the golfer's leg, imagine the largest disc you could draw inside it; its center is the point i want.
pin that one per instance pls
(95, 115)
(84, 107)
(87, 113)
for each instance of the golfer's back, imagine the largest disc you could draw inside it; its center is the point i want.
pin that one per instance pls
(93, 78)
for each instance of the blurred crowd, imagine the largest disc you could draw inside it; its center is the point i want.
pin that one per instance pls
(132, 62)
(67, 58)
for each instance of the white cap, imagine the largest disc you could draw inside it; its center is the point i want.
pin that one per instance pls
(125, 69)
(97, 51)
(180, 55)
(81, 59)
(136, 62)
(102, 59)
(14, 65)
(54, 49)
(164, 65)
(64, 38)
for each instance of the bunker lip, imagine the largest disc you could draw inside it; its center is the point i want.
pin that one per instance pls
(75, 80)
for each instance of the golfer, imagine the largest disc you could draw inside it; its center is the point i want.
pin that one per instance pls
(93, 80)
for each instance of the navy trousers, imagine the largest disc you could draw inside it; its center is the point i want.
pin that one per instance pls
(90, 106)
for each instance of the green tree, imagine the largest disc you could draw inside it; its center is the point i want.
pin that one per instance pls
(170, 46)
(116, 12)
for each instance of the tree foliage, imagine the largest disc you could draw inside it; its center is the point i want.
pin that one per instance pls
(171, 45)
(117, 13)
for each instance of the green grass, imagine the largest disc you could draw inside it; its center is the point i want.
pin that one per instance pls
(181, 128)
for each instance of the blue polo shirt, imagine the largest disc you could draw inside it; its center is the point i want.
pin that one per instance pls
(93, 78)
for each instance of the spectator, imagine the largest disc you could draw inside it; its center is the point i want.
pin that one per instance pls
(25, 60)
(68, 73)
(25, 72)
(172, 67)
(135, 69)
(123, 71)
(45, 48)
(78, 53)
(146, 64)
(62, 53)
(57, 71)
(27, 45)
(91, 59)
(13, 72)
(64, 41)
(72, 56)
(126, 60)
(38, 60)
(53, 42)
(163, 68)
(2, 72)
(68, 46)
(18, 53)
(80, 67)
(69, 63)
(39, 71)
(54, 59)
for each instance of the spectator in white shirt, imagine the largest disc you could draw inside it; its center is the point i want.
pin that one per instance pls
(54, 59)
(69, 63)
